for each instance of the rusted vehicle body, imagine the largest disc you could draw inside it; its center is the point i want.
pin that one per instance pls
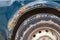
(30, 20)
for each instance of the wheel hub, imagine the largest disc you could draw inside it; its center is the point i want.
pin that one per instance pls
(44, 34)
(45, 38)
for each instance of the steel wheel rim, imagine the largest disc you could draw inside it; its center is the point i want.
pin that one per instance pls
(44, 33)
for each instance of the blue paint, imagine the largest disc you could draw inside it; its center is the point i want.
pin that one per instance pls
(7, 12)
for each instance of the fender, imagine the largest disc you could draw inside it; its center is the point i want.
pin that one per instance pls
(14, 23)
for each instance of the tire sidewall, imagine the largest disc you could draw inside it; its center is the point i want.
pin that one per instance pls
(34, 19)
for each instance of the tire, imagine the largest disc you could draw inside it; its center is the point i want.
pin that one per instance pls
(34, 22)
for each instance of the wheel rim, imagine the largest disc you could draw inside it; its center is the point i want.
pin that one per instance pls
(44, 33)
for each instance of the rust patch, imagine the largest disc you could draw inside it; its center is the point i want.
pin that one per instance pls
(21, 11)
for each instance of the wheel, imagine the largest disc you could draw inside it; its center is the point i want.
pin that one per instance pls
(42, 26)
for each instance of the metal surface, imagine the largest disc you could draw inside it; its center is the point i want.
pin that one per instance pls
(44, 33)
(9, 10)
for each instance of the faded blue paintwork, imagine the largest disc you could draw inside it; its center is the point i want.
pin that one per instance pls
(7, 12)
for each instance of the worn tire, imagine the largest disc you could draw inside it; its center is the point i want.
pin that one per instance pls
(49, 20)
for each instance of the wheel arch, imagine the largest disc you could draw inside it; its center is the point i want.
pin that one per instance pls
(21, 18)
